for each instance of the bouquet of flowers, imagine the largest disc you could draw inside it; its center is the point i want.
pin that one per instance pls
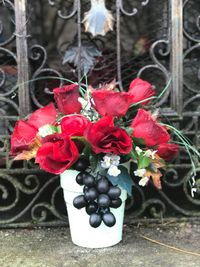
(96, 131)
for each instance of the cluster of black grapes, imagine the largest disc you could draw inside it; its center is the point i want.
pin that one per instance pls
(99, 196)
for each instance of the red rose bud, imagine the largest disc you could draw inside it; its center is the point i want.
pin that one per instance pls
(74, 125)
(104, 137)
(66, 99)
(146, 127)
(23, 136)
(43, 116)
(140, 90)
(57, 153)
(109, 103)
(167, 151)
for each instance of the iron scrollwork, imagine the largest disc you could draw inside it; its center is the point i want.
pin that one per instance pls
(27, 194)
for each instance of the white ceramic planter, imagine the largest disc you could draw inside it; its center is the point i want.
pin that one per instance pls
(82, 233)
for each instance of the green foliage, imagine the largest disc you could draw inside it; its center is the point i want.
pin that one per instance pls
(143, 162)
(123, 180)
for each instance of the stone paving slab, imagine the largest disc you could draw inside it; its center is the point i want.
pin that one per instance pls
(52, 247)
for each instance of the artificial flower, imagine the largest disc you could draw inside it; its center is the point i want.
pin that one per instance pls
(66, 98)
(57, 153)
(144, 181)
(47, 129)
(25, 131)
(140, 90)
(104, 137)
(146, 127)
(109, 160)
(140, 172)
(167, 151)
(150, 153)
(74, 125)
(114, 171)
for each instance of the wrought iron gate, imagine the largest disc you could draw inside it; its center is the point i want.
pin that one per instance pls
(158, 40)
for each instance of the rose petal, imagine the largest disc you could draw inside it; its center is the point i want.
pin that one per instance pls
(43, 116)
(109, 103)
(23, 136)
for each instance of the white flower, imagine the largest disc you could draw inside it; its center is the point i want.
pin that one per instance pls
(106, 162)
(143, 181)
(110, 159)
(115, 160)
(140, 172)
(150, 153)
(46, 130)
(113, 171)
(86, 105)
(138, 150)
(193, 190)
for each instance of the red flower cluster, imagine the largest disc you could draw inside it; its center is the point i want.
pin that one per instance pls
(60, 147)
(110, 103)
(57, 153)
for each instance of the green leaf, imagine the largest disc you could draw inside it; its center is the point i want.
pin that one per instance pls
(58, 129)
(143, 162)
(123, 179)
(129, 130)
(133, 155)
(87, 150)
(138, 141)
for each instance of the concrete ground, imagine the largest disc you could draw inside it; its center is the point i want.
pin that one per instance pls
(53, 248)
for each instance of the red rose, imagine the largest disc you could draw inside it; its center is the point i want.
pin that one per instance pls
(57, 153)
(66, 98)
(42, 116)
(23, 136)
(167, 151)
(146, 127)
(104, 137)
(109, 103)
(74, 125)
(140, 90)
(25, 132)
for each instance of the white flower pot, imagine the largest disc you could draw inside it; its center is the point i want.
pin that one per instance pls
(82, 233)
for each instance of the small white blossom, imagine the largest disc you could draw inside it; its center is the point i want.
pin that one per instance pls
(150, 153)
(140, 172)
(86, 105)
(46, 130)
(110, 159)
(193, 190)
(143, 181)
(115, 160)
(106, 162)
(113, 171)
(138, 150)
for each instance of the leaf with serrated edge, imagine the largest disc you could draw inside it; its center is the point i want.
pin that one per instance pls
(155, 178)
(123, 180)
(143, 162)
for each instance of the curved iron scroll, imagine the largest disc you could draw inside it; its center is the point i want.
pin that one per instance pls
(29, 196)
